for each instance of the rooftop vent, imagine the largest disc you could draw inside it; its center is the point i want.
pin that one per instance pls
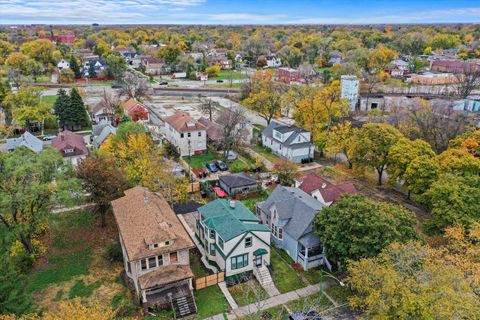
(324, 185)
(232, 204)
(145, 199)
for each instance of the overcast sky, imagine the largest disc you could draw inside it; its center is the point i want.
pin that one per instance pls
(237, 12)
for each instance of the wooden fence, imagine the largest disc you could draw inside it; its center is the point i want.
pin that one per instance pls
(210, 280)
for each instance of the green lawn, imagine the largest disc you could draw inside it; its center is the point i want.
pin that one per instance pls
(74, 265)
(64, 266)
(313, 302)
(267, 154)
(237, 165)
(339, 294)
(229, 74)
(196, 264)
(284, 277)
(316, 302)
(248, 292)
(199, 160)
(49, 99)
(210, 301)
(251, 202)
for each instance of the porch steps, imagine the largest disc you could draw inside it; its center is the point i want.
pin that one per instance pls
(184, 306)
(265, 279)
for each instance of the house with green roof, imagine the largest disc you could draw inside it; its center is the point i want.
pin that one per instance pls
(233, 237)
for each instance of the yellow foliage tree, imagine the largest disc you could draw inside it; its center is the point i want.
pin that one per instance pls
(320, 110)
(75, 310)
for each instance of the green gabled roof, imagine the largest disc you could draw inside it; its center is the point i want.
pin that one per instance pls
(257, 227)
(228, 222)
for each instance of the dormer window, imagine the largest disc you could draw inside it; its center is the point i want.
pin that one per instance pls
(160, 244)
(68, 150)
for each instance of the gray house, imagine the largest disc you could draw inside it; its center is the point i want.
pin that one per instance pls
(289, 212)
(290, 142)
(26, 140)
(101, 132)
(238, 183)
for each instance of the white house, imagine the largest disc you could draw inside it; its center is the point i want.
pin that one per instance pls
(155, 249)
(63, 64)
(349, 89)
(186, 133)
(233, 237)
(290, 142)
(273, 61)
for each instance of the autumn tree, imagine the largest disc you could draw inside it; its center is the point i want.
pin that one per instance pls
(40, 50)
(17, 61)
(356, 227)
(469, 141)
(458, 162)
(419, 175)
(320, 110)
(103, 180)
(404, 283)
(402, 153)
(27, 192)
(341, 139)
(135, 152)
(5, 49)
(285, 171)
(372, 147)
(26, 107)
(453, 200)
(265, 95)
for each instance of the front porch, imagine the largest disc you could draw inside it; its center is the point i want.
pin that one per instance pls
(310, 257)
(169, 288)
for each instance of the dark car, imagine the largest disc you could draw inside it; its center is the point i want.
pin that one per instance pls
(163, 83)
(221, 165)
(116, 86)
(220, 81)
(211, 166)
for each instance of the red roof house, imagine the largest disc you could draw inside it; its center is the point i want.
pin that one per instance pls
(71, 145)
(323, 190)
(135, 110)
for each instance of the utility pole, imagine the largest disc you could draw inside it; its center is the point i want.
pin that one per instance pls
(190, 165)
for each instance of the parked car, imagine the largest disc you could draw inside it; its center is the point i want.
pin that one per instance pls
(220, 81)
(48, 138)
(163, 83)
(232, 155)
(221, 165)
(211, 166)
(219, 192)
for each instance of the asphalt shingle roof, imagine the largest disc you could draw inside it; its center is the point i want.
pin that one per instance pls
(295, 206)
(236, 180)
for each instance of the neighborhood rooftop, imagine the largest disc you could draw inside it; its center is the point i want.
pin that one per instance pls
(144, 218)
(183, 122)
(229, 221)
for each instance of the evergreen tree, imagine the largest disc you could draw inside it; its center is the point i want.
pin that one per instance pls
(77, 113)
(61, 106)
(75, 67)
(124, 119)
(91, 70)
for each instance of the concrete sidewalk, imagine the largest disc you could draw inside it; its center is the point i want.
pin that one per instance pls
(272, 302)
